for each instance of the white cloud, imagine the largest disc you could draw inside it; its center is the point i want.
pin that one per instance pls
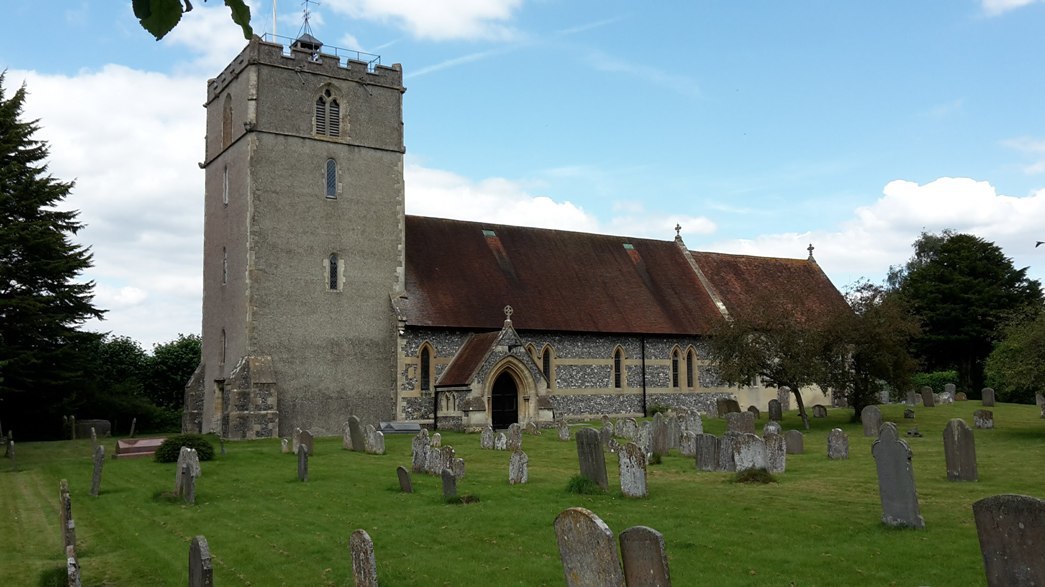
(996, 7)
(677, 83)
(1034, 148)
(438, 21)
(208, 31)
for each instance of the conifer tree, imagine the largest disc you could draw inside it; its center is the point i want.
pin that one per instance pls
(42, 300)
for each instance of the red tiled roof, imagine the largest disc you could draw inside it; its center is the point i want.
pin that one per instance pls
(467, 360)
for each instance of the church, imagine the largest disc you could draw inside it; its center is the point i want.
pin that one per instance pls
(322, 299)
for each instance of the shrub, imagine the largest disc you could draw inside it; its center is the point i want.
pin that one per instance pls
(582, 485)
(754, 476)
(935, 379)
(655, 459)
(654, 409)
(171, 447)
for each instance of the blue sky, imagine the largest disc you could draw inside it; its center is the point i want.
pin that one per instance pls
(759, 126)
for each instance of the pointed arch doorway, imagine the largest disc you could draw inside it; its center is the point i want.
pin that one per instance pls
(504, 401)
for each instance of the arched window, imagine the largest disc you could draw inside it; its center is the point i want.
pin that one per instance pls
(691, 368)
(224, 346)
(675, 368)
(546, 366)
(226, 121)
(328, 115)
(426, 368)
(332, 275)
(618, 368)
(224, 266)
(321, 115)
(225, 186)
(331, 178)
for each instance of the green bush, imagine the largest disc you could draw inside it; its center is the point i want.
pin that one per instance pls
(654, 409)
(935, 380)
(583, 486)
(171, 447)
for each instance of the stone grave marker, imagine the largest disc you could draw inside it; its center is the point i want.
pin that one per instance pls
(419, 451)
(96, 478)
(186, 456)
(1039, 399)
(645, 557)
(72, 568)
(302, 463)
(405, 483)
(65, 506)
(606, 436)
(771, 427)
(500, 442)
(819, 411)
(674, 431)
(591, 458)
(959, 450)
(632, 471)
(587, 549)
(375, 440)
(983, 419)
(908, 414)
(910, 398)
(871, 418)
(896, 479)
(795, 441)
(776, 453)
(775, 411)
(295, 440)
(201, 572)
(514, 437)
(837, 444)
(883, 396)
(355, 431)
(564, 430)
(645, 437)
(754, 412)
(749, 452)
(457, 466)
(486, 438)
(928, 399)
(346, 437)
(188, 484)
(1011, 530)
(11, 454)
(449, 484)
(94, 439)
(987, 396)
(725, 452)
(740, 422)
(532, 429)
(134, 424)
(688, 444)
(364, 564)
(306, 439)
(694, 423)
(961, 397)
(732, 406)
(284, 445)
(631, 429)
(706, 452)
(661, 444)
(518, 468)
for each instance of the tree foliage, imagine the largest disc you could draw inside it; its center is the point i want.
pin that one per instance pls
(43, 300)
(170, 367)
(1016, 367)
(159, 17)
(964, 290)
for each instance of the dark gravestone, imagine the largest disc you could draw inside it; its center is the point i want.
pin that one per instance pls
(819, 411)
(725, 452)
(928, 399)
(134, 424)
(908, 414)
(775, 411)
(201, 574)
(405, 485)
(896, 479)
(988, 396)
(420, 446)
(587, 549)
(364, 564)
(355, 431)
(837, 444)
(754, 410)
(65, 505)
(645, 557)
(661, 444)
(305, 438)
(961, 397)
(632, 471)
(302, 463)
(959, 449)
(776, 453)
(96, 478)
(727, 406)
(187, 491)
(449, 484)
(707, 452)
(911, 401)
(591, 457)
(1011, 529)
(796, 442)
(871, 418)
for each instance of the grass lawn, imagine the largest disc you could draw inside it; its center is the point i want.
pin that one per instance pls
(819, 525)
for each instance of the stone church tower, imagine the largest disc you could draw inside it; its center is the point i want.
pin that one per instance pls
(303, 243)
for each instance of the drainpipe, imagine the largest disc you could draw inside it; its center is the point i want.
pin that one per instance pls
(435, 411)
(643, 343)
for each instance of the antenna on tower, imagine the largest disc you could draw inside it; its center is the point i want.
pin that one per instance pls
(305, 39)
(306, 28)
(273, 19)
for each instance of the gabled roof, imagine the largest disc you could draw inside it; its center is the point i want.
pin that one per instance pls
(468, 359)
(462, 274)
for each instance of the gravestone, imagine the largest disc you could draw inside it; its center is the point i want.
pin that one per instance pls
(134, 424)
(65, 505)
(364, 564)
(819, 411)
(419, 450)
(896, 479)
(346, 437)
(883, 396)
(72, 568)
(437, 440)
(187, 491)
(1039, 399)
(776, 453)
(983, 419)
(630, 429)
(632, 471)
(605, 421)
(449, 484)
(706, 452)
(644, 438)
(355, 431)
(987, 396)
(837, 444)
(564, 430)
(775, 411)
(514, 437)
(11, 454)
(660, 435)
(727, 406)
(771, 427)
(928, 399)
(871, 418)
(1011, 530)
(201, 573)
(518, 468)
(795, 441)
(532, 429)
(96, 478)
(645, 557)
(908, 414)
(457, 466)
(186, 456)
(587, 550)
(961, 397)
(302, 463)
(405, 483)
(755, 411)
(749, 452)
(673, 431)
(688, 444)
(591, 458)
(375, 441)
(613, 446)
(103, 428)
(94, 438)
(740, 422)
(284, 445)
(486, 439)
(725, 452)
(606, 435)
(295, 440)
(959, 450)
(500, 442)
(911, 398)
(305, 438)
(693, 423)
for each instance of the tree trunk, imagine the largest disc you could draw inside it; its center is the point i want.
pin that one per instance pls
(801, 406)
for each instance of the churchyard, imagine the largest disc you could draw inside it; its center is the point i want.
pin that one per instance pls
(819, 524)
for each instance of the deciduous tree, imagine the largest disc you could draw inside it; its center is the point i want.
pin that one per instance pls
(170, 367)
(1016, 367)
(159, 17)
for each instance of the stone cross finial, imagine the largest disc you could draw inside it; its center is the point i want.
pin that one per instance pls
(810, 249)
(508, 312)
(678, 230)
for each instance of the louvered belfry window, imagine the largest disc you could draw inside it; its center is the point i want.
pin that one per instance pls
(321, 116)
(334, 125)
(328, 115)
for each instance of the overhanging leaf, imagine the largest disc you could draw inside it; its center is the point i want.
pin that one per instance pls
(158, 17)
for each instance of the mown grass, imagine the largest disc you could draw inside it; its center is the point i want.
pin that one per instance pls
(817, 525)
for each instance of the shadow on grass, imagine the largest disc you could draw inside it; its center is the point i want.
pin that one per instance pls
(55, 577)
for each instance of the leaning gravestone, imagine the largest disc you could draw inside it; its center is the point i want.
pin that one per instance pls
(186, 456)
(201, 573)
(837, 444)
(457, 466)
(950, 389)
(632, 471)
(959, 449)
(871, 418)
(775, 411)
(795, 442)
(355, 431)
(486, 438)
(405, 484)
(420, 447)
(725, 452)
(645, 557)
(94, 438)
(500, 442)
(518, 468)
(707, 452)
(755, 411)
(66, 514)
(449, 484)
(896, 479)
(364, 564)
(188, 485)
(96, 478)
(587, 549)
(514, 437)
(1011, 529)
(305, 438)
(819, 411)
(563, 429)
(375, 441)
(302, 463)
(591, 458)
(928, 399)
(776, 453)
(983, 419)
(749, 452)
(346, 437)
(988, 396)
